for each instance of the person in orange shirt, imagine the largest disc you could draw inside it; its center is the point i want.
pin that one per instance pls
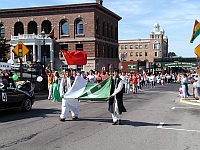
(50, 81)
(134, 81)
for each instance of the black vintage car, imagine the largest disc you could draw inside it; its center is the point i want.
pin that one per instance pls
(18, 96)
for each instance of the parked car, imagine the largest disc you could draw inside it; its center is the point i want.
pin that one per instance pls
(19, 96)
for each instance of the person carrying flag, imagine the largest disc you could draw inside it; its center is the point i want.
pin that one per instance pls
(68, 103)
(116, 106)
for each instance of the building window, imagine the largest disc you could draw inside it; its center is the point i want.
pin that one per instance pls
(146, 54)
(155, 54)
(79, 47)
(136, 47)
(80, 67)
(131, 46)
(131, 54)
(111, 32)
(97, 27)
(64, 28)
(140, 46)
(2, 31)
(146, 46)
(79, 27)
(103, 29)
(63, 67)
(136, 54)
(108, 30)
(64, 47)
(140, 54)
(122, 47)
(98, 51)
(156, 45)
(126, 46)
(116, 33)
(156, 36)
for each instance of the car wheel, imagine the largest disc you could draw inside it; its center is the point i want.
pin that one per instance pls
(27, 105)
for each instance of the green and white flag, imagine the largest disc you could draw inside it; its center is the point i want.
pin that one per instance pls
(97, 92)
(82, 89)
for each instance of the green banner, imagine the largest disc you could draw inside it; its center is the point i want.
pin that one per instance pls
(132, 66)
(179, 64)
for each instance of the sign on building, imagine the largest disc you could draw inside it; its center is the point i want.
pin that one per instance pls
(4, 65)
(132, 66)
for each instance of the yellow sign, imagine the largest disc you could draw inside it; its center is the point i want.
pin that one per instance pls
(198, 71)
(20, 50)
(197, 50)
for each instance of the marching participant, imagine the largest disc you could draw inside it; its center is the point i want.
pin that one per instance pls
(68, 104)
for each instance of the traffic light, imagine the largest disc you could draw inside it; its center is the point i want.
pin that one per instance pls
(20, 50)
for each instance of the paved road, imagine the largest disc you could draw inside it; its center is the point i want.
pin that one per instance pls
(155, 120)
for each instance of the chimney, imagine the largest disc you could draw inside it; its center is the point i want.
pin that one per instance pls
(99, 2)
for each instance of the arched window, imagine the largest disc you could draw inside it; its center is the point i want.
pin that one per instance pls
(64, 28)
(32, 27)
(79, 27)
(2, 31)
(18, 28)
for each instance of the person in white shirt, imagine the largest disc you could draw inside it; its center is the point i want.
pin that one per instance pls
(68, 104)
(91, 77)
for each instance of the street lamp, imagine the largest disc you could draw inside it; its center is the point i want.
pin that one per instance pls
(43, 54)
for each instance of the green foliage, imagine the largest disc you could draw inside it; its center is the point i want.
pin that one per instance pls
(4, 50)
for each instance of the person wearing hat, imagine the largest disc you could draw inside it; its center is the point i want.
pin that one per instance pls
(116, 106)
(68, 104)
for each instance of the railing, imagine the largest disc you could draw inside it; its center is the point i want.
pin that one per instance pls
(28, 36)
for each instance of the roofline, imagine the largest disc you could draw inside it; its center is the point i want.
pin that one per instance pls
(58, 7)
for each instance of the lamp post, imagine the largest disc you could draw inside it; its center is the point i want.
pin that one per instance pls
(43, 55)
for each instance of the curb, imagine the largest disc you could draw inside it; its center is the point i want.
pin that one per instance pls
(190, 101)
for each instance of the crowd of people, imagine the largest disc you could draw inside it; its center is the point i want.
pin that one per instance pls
(125, 83)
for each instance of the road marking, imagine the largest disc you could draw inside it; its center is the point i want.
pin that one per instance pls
(160, 126)
(183, 107)
(189, 102)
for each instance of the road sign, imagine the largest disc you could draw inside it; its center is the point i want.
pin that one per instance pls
(20, 50)
(197, 50)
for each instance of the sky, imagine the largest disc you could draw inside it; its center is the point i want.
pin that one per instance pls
(176, 17)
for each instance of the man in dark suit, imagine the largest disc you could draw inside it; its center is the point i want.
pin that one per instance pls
(116, 106)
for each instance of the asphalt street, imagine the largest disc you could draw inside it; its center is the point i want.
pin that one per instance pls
(155, 119)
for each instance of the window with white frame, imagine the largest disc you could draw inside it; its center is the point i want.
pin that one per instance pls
(131, 46)
(136, 54)
(131, 54)
(63, 67)
(79, 27)
(126, 46)
(140, 54)
(146, 46)
(122, 47)
(156, 45)
(136, 46)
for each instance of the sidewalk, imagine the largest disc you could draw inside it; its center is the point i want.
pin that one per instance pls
(190, 100)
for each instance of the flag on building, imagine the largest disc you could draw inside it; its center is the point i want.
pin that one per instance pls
(75, 57)
(82, 89)
(51, 34)
(195, 31)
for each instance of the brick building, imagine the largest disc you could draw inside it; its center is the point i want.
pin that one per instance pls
(89, 27)
(137, 51)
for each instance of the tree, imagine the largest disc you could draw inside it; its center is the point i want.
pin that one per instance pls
(4, 50)
(171, 54)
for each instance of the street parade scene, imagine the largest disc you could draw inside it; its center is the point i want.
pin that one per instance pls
(75, 75)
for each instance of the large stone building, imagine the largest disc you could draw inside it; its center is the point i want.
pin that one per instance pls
(88, 27)
(132, 52)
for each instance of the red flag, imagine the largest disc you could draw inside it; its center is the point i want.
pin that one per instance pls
(75, 58)
(51, 34)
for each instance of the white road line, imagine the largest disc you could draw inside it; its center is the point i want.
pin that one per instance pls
(160, 126)
(183, 107)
